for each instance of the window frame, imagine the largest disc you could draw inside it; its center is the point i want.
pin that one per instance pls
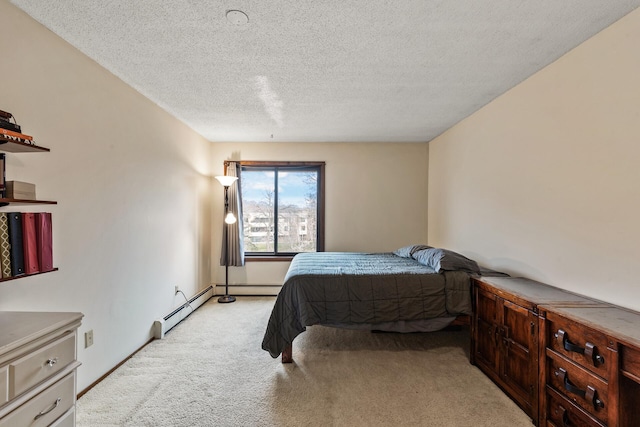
(283, 165)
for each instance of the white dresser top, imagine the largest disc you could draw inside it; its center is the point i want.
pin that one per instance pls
(21, 327)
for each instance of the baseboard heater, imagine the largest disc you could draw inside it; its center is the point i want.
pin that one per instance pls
(164, 325)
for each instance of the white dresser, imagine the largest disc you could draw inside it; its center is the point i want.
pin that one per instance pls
(38, 368)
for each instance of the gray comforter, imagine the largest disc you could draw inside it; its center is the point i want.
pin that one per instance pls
(340, 288)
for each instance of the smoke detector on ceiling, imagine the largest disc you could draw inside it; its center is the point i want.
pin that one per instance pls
(237, 17)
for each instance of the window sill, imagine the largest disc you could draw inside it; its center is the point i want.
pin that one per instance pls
(254, 258)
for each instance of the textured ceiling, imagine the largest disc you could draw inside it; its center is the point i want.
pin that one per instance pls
(324, 70)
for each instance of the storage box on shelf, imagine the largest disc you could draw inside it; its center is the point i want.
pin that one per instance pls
(20, 190)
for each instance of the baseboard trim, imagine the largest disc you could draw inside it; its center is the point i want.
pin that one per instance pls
(197, 300)
(110, 371)
(249, 290)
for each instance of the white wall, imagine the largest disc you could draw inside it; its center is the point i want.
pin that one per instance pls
(376, 197)
(544, 181)
(133, 188)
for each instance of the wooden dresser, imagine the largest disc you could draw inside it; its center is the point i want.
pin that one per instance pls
(504, 333)
(590, 366)
(38, 368)
(565, 359)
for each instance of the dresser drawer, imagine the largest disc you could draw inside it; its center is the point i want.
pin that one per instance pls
(46, 407)
(583, 345)
(561, 412)
(30, 370)
(630, 361)
(4, 385)
(67, 420)
(586, 390)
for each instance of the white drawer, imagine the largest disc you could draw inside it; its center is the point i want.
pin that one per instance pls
(46, 407)
(30, 370)
(67, 420)
(4, 385)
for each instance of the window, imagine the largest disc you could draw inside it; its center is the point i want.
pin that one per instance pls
(282, 206)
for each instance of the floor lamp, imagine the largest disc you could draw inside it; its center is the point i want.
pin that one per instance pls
(229, 218)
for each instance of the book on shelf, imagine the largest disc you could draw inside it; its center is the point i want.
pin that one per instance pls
(3, 183)
(6, 124)
(44, 237)
(18, 135)
(5, 247)
(14, 220)
(29, 243)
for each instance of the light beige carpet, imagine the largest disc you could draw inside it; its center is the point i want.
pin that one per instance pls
(211, 371)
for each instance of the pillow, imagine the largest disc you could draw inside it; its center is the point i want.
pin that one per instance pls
(443, 259)
(408, 251)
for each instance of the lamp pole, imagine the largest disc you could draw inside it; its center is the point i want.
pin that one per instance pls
(229, 219)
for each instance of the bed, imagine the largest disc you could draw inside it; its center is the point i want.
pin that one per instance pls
(414, 289)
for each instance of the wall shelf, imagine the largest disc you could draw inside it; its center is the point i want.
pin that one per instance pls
(22, 276)
(6, 201)
(10, 145)
(22, 144)
(13, 145)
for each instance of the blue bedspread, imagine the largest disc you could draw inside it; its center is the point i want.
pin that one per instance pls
(338, 288)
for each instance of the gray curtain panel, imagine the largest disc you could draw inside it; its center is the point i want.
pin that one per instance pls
(235, 236)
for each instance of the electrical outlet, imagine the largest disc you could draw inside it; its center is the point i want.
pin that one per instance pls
(88, 338)
(176, 290)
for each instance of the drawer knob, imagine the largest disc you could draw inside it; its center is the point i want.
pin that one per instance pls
(53, 406)
(591, 351)
(51, 362)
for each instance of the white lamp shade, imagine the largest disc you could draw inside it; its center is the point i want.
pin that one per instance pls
(230, 218)
(226, 180)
